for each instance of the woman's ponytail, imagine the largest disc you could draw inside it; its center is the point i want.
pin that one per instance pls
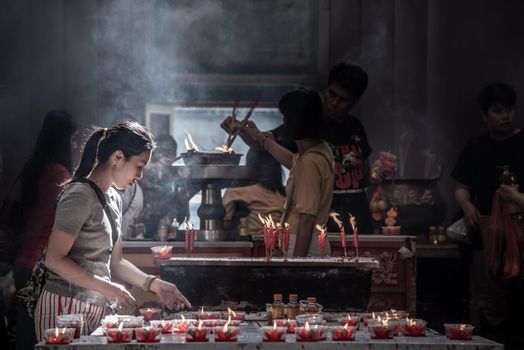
(89, 154)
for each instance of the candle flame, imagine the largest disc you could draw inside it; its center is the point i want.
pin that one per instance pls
(373, 315)
(120, 326)
(56, 332)
(200, 323)
(346, 326)
(306, 326)
(349, 317)
(274, 324)
(226, 325)
(262, 219)
(336, 218)
(461, 327)
(231, 312)
(202, 311)
(353, 221)
(183, 318)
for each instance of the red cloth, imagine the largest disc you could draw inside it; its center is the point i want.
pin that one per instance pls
(40, 218)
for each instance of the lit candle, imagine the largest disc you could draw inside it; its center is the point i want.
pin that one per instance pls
(289, 324)
(197, 334)
(150, 313)
(380, 330)
(336, 217)
(459, 331)
(75, 321)
(148, 334)
(58, 336)
(343, 333)
(180, 326)
(414, 328)
(321, 238)
(161, 252)
(226, 333)
(274, 333)
(287, 232)
(307, 334)
(119, 335)
(350, 321)
(236, 315)
(353, 222)
(208, 315)
(166, 325)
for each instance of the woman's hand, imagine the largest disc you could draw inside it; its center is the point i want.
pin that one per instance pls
(116, 293)
(169, 294)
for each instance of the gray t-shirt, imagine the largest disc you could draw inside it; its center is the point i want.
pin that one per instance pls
(80, 213)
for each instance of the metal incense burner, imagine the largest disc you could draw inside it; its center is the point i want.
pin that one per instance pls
(210, 179)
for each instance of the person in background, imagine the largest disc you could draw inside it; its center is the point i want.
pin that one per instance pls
(266, 197)
(309, 188)
(84, 251)
(347, 138)
(496, 306)
(41, 183)
(159, 187)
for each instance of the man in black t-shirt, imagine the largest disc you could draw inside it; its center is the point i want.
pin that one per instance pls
(495, 305)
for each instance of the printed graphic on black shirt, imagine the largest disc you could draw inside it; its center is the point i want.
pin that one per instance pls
(349, 165)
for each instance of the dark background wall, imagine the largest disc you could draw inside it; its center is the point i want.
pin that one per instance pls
(426, 61)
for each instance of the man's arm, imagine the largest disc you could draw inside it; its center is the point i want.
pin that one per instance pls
(306, 226)
(463, 198)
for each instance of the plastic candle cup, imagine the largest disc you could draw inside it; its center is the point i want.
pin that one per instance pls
(166, 325)
(459, 331)
(226, 333)
(289, 324)
(349, 320)
(148, 334)
(379, 330)
(150, 314)
(75, 321)
(307, 333)
(343, 333)
(119, 335)
(162, 252)
(197, 333)
(414, 328)
(274, 333)
(59, 336)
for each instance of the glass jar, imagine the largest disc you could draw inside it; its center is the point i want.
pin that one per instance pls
(293, 307)
(277, 308)
(310, 307)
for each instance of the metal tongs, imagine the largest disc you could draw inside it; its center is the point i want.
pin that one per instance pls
(232, 136)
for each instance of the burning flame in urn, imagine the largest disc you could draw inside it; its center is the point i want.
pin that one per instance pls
(224, 149)
(190, 144)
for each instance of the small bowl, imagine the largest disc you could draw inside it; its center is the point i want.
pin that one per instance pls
(230, 335)
(391, 230)
(193, 334)
(162, 251)
(379, 331)
(168, 326)
(457, 331)
(150, 313)
(75, 321)
(415, 328)
(289, 324)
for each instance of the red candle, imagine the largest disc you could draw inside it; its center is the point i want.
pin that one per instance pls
(350, 321)
(166, 325)
(148, 334)
(322, 238)
(197, 334)
(274, 333)
(150, 313)
(353, 222)
(189, 237)
(459, 331)
(162, 252)
(226, 333)
(414, 328)
(343, 333)
(59, 336)
(289, 324)
(307, 334)
(119, 335)
(75, 321)
(380, 330)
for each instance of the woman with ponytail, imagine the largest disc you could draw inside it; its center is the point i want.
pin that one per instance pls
(84, 251)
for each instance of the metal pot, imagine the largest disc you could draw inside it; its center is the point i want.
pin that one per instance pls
(211, 158)
(419, 201)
